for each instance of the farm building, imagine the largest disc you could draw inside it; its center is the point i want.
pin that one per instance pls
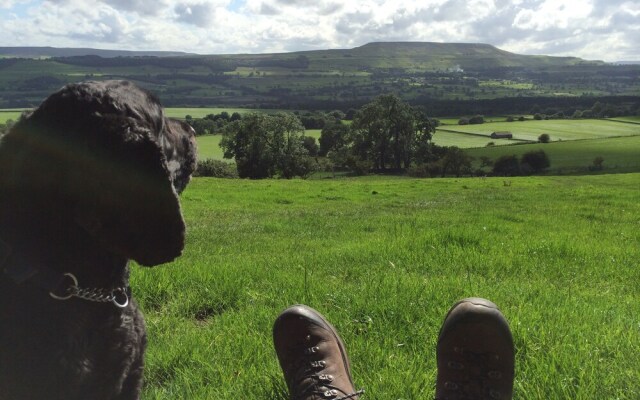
(501, 135)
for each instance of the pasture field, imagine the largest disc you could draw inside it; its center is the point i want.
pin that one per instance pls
(6, 115)
(443, 137)
(621, 154)
(563, 129)
(384, 259)
(196, 112)
(635, 120)
(209, 147)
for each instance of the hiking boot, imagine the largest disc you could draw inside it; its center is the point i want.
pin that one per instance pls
(475, 353)
(312, 356)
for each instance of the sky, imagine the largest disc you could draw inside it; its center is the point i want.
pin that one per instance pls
(607, 30)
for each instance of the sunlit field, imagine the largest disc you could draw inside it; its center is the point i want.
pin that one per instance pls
(564, 129)
(384, 259)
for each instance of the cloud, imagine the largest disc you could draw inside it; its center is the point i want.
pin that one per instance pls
(599, 29)
(198, 14)
(142, 7)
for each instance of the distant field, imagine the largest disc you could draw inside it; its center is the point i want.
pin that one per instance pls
(313, 133)
(209, 145)
(635, 120)
(6, 115)
(557, 129)
(464, 140)
(620, 154)
(203, 112)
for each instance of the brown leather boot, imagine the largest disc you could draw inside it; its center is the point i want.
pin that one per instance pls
(312, 356)
(475, 353)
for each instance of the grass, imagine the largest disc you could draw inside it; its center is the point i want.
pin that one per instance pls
(384, 259)
(209, 147)
(195, 112)
(620, 154)
(557, 129)
(635, 120)
(464, 140)
(6, 115)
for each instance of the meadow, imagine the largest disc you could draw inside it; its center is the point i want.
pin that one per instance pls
(563, 129)
(384, 259)
(209, 145)
(620, 154)
(12, 114)
(201, 112)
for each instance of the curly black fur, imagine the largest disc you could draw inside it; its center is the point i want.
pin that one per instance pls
(88, 180)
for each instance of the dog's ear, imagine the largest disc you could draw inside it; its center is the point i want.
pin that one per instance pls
(178, 141)
(123, 191)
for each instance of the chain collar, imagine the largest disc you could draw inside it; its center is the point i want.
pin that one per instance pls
(60, 286)
(119, 297)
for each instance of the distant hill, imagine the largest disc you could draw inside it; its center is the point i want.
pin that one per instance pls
(419, 55)
(430, 55)
(450, 78)
(45, 52)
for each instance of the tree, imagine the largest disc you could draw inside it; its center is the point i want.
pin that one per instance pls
(476, 119)
(506, 166)
(485, 161)
(423, 148)
(334, 136)
(544, 138)
(203, 126)
(598, 164)
(384, 132)
(455, 161)
(265, 145)
(535, 161)
(309, 143)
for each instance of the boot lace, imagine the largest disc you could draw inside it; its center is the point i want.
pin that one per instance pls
(309, 381)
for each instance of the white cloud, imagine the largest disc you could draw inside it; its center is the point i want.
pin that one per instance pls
(595, 29)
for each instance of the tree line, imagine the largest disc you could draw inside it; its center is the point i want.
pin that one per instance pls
(386, 135)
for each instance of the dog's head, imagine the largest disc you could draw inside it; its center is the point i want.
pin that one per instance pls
(106, 155)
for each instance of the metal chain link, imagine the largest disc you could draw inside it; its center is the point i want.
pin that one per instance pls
(117, 296)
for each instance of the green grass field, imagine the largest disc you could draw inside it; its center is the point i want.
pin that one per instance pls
(176, 112)
(557, 129)
(209, 145)
(6, 115)
(464, 140)
(635, 120)
(620, 154)
(384, 259)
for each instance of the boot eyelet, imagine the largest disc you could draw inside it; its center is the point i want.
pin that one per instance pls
(311, 350)
(451, 386)
(330, 393)
(318, 364)
(326, 378)
(455, 365)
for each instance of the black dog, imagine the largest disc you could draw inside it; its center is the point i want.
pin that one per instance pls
(88, 180)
